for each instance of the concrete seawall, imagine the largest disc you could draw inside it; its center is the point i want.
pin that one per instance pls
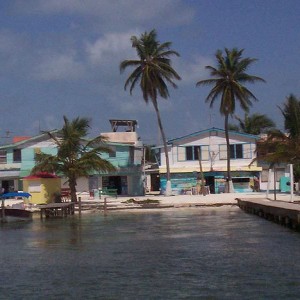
(280, 212)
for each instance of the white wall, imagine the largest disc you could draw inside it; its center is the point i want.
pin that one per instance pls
(283, 171)
(82, 184)
(213, 143)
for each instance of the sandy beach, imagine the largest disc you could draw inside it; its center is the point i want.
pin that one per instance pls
(134, 203)
(180, 201)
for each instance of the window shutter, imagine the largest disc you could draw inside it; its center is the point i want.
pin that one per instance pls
(223, 152)
(204, 153)
(247, 151)
(181, 153)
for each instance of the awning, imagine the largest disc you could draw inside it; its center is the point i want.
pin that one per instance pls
(15, 195)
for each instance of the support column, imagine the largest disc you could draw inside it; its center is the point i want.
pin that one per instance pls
(292, 183)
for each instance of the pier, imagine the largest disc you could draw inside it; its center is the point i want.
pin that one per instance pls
(57, 210)
(283, 213)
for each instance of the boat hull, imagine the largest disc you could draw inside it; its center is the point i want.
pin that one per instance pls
(15, 215)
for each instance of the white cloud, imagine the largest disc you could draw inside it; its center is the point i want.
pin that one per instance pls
(110, 47)
(193, 70)
(121, 11)
(53, 66)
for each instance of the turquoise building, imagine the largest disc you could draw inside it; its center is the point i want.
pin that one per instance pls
(17, 161)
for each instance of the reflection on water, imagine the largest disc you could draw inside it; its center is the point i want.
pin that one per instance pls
(180, 254)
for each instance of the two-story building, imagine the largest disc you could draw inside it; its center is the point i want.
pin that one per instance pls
(17, 160)
(206, 150)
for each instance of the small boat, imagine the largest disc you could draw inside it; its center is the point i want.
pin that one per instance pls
(16, 212)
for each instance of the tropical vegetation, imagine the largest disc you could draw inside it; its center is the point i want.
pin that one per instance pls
(153, 72)
(76, 156)
(284, 147)
(228, 79)
(253, 124)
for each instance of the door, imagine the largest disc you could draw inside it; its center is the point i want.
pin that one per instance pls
(210, 181)
(8, 186)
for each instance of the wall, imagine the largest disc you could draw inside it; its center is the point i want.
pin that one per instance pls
(121, 137)
(281, 171)
(213, 142)
(42, 190)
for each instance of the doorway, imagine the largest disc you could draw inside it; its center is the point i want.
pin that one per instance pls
(210, 181)
(8, 186)
(113, 182)
(155, 182)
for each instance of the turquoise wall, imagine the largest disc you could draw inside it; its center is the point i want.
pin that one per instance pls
(123, 157)
(28, 161)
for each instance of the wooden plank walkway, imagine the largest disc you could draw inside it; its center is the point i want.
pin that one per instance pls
(283, 213)
(57, 209)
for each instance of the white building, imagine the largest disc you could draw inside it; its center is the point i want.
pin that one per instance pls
(210, 145)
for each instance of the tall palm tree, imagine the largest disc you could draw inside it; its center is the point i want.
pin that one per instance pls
(152, 71)
(254, 124)
(76, 157)
(228, 79)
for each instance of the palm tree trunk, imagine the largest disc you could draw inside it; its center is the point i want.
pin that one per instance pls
(203, 191)
(229, 184)
(168, 191)
(72, 185)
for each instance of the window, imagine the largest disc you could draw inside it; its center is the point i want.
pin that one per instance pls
(223, 151)
(112, 152)
(157, 153)
(237, 151)
(131, 155)
(17, 155)
(192, 153)
(3, 157)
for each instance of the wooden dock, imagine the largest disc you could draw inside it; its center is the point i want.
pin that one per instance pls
(57, 209)
(283, 213)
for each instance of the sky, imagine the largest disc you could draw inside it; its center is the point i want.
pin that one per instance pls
(62, 57)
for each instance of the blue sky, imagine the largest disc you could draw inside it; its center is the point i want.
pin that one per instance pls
(61, 57)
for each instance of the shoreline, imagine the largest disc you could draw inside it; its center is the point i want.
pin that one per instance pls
(150, 203)
(174, 202)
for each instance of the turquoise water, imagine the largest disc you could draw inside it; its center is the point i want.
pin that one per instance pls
(181, 254)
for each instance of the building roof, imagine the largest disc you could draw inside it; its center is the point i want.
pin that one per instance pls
(41, 175)
(214, 129)
(44, 136)
(29, 140)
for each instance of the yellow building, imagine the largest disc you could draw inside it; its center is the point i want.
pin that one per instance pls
(42, 186)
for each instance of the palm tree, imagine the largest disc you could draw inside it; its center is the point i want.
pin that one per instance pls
(254, 124)
(228, 79)
(76, 157)
(283, 147)
(291, 114)
(152, 71)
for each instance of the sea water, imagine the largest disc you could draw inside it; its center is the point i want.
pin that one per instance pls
(201, 253)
